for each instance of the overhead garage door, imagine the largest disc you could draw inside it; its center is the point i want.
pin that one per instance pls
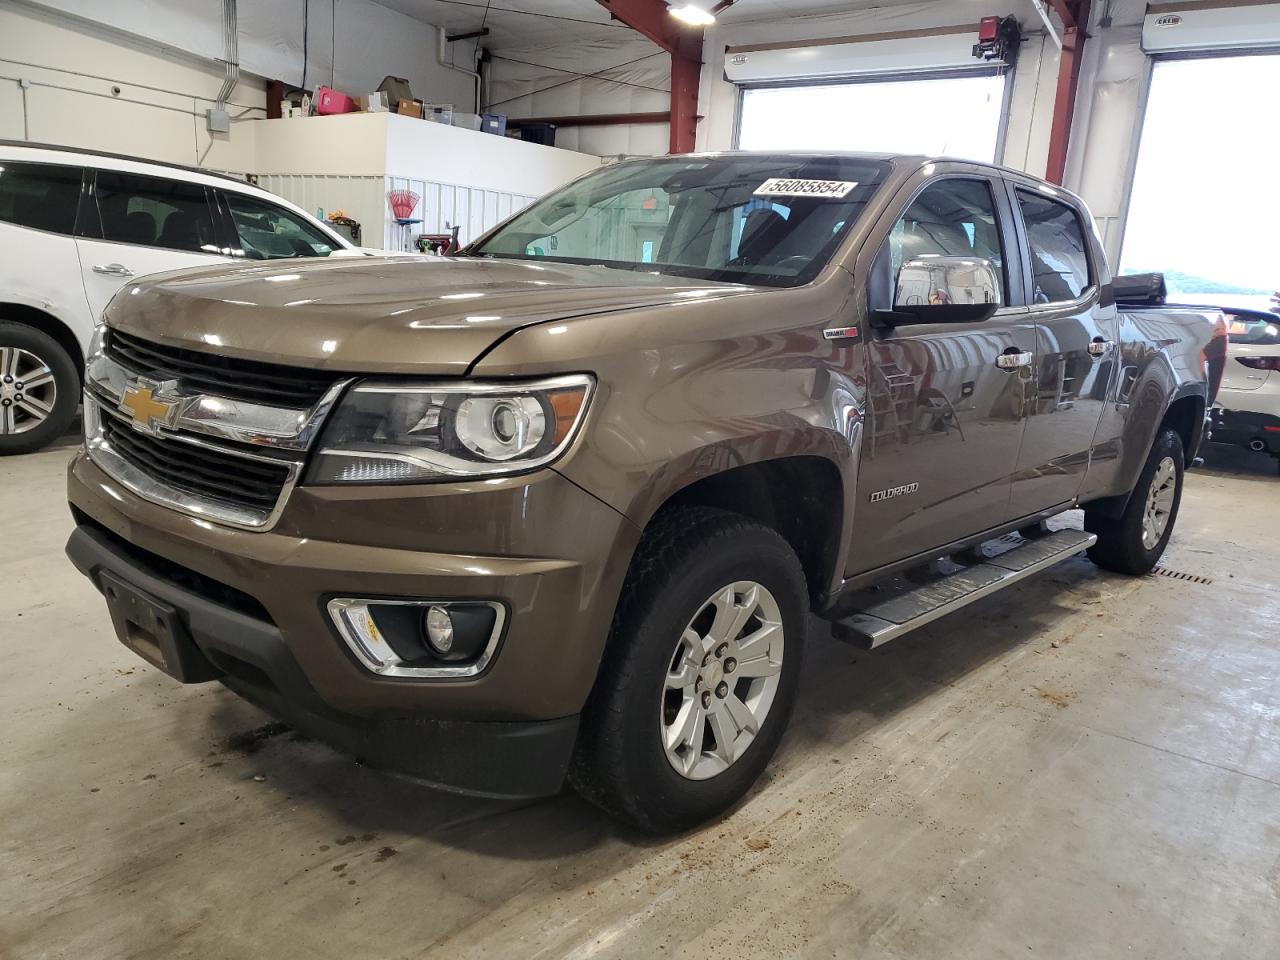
(1204, 208)
(958, 116)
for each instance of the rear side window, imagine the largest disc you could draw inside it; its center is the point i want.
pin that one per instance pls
(154, 212)
(269, 232)
(38, 195)
(1059, 255)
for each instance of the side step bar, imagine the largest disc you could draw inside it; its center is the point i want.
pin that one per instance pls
(891, 618)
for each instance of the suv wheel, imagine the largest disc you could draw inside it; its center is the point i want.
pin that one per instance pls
(1137, 540)
(700, 673)
(39, 389)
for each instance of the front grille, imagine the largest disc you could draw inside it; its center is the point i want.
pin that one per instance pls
(199, 470)
(271, 384)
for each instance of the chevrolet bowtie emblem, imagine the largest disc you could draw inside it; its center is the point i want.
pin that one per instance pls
(149, 411)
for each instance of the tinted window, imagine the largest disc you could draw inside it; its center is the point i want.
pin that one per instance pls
(951, 218)
(39, 195)
(269, 232)
(154, 212)
(1253, 328)
(1059, 256)
(771, 220)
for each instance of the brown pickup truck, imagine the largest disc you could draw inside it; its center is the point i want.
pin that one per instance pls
(559, 506)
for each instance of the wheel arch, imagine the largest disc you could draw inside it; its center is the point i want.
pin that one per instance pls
(801, 497)
(1184, 414)
(49, 324)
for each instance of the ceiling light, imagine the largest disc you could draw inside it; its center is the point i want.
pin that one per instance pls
(696, 13)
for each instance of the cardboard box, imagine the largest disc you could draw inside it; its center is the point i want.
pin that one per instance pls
(409, 108)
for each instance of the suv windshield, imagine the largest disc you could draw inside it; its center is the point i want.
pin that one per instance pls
(748, 218)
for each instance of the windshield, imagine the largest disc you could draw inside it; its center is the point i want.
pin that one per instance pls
(749, 219)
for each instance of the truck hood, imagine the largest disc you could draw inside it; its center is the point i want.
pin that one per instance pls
(416, 315)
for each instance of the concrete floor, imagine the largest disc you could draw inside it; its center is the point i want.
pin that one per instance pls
(1083, 766)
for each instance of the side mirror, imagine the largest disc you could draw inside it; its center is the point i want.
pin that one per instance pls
(944, 290)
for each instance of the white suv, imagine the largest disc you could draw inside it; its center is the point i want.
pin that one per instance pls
(76, 226)
(1247, 411)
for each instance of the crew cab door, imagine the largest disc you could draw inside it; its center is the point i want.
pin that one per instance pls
(1076, 347)
(944, 417)
(136, 225)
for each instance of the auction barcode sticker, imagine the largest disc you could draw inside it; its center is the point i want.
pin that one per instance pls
(783, 187)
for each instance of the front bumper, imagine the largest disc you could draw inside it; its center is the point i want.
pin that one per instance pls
(249, 655)
(553, 554)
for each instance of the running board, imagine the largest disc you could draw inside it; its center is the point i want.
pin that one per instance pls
(890, 619)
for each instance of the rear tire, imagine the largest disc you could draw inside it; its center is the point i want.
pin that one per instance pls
(700, 673)
(39, 389)
(1135, 542)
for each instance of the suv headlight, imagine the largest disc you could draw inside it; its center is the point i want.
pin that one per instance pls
(406, 432)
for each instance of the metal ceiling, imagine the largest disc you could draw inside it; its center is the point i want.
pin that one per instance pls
(523, 24)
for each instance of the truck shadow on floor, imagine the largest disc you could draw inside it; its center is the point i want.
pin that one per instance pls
(845, 694)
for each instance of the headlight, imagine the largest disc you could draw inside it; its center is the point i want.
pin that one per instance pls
(389, 432)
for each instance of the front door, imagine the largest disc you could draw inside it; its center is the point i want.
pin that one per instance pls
(138, 225)
(1076, 355)
(944, 422)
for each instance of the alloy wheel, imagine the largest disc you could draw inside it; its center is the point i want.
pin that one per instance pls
(722, 679)
(1155, 519)
(28, 391)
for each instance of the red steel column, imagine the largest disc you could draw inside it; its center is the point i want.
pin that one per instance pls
(1075, 18)
(684, 44)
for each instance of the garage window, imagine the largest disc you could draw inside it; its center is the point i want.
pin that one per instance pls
(1204, 209)
(946, 116)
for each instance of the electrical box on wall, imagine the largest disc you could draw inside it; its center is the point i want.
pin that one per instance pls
(1208, 25)
(924, 51)
(217, 121)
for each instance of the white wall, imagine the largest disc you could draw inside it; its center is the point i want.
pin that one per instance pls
(158, 112)
(463, 177)
(520, 90)
(162, 57)
(370, 40)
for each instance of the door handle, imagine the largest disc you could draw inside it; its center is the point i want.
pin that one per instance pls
(1012, 359)
(113, 270)
(1100, 347)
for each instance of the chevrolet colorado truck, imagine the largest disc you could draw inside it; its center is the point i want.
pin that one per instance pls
(559, 507)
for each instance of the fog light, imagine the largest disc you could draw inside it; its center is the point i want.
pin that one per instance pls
(439, 627)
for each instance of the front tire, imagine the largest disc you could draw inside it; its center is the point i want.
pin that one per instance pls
(700, 673)
(1136, 541)
(39, 389)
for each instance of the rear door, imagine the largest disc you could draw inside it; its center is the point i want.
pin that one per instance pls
(944, 421)
(1076, 353)
(137, 225)
(39, 267)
